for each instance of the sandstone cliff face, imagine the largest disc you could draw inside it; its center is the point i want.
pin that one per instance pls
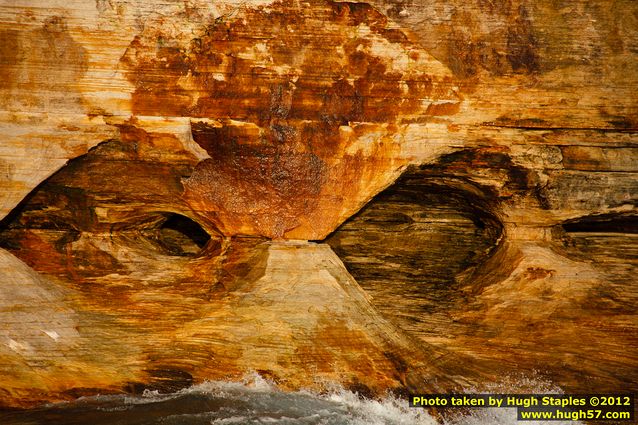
(393, 195)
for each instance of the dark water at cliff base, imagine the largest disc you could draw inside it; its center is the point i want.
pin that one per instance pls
(254, 401)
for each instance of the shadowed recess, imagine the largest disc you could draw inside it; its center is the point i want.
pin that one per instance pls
(606, 223)
(108, 212)
(182, 236)
(407, 246)
(609, 242)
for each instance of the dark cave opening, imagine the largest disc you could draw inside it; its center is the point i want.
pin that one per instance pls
(608, 242)
(409, 246)
(74, 223)
(180, 235)
(604, 223)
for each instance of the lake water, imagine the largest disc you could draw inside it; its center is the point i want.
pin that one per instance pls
(254, 401)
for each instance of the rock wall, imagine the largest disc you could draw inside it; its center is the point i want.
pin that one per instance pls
(389, 195)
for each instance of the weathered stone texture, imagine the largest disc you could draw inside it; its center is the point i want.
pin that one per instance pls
(165, 167)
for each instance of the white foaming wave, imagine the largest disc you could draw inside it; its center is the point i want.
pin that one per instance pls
(356, 410)
(270, 405)
(256, 400)
(388, 411)
(512, 384)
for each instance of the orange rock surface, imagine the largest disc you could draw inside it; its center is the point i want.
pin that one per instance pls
(386, 195)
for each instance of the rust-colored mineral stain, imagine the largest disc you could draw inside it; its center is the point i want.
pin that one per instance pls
(285, 62)
(29, 247)
(257, 180)
(277, 86)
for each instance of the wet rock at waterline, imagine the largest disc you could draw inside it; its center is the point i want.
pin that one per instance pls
(386, 196)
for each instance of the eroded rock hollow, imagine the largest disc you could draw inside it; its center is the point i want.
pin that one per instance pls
(389, 195)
